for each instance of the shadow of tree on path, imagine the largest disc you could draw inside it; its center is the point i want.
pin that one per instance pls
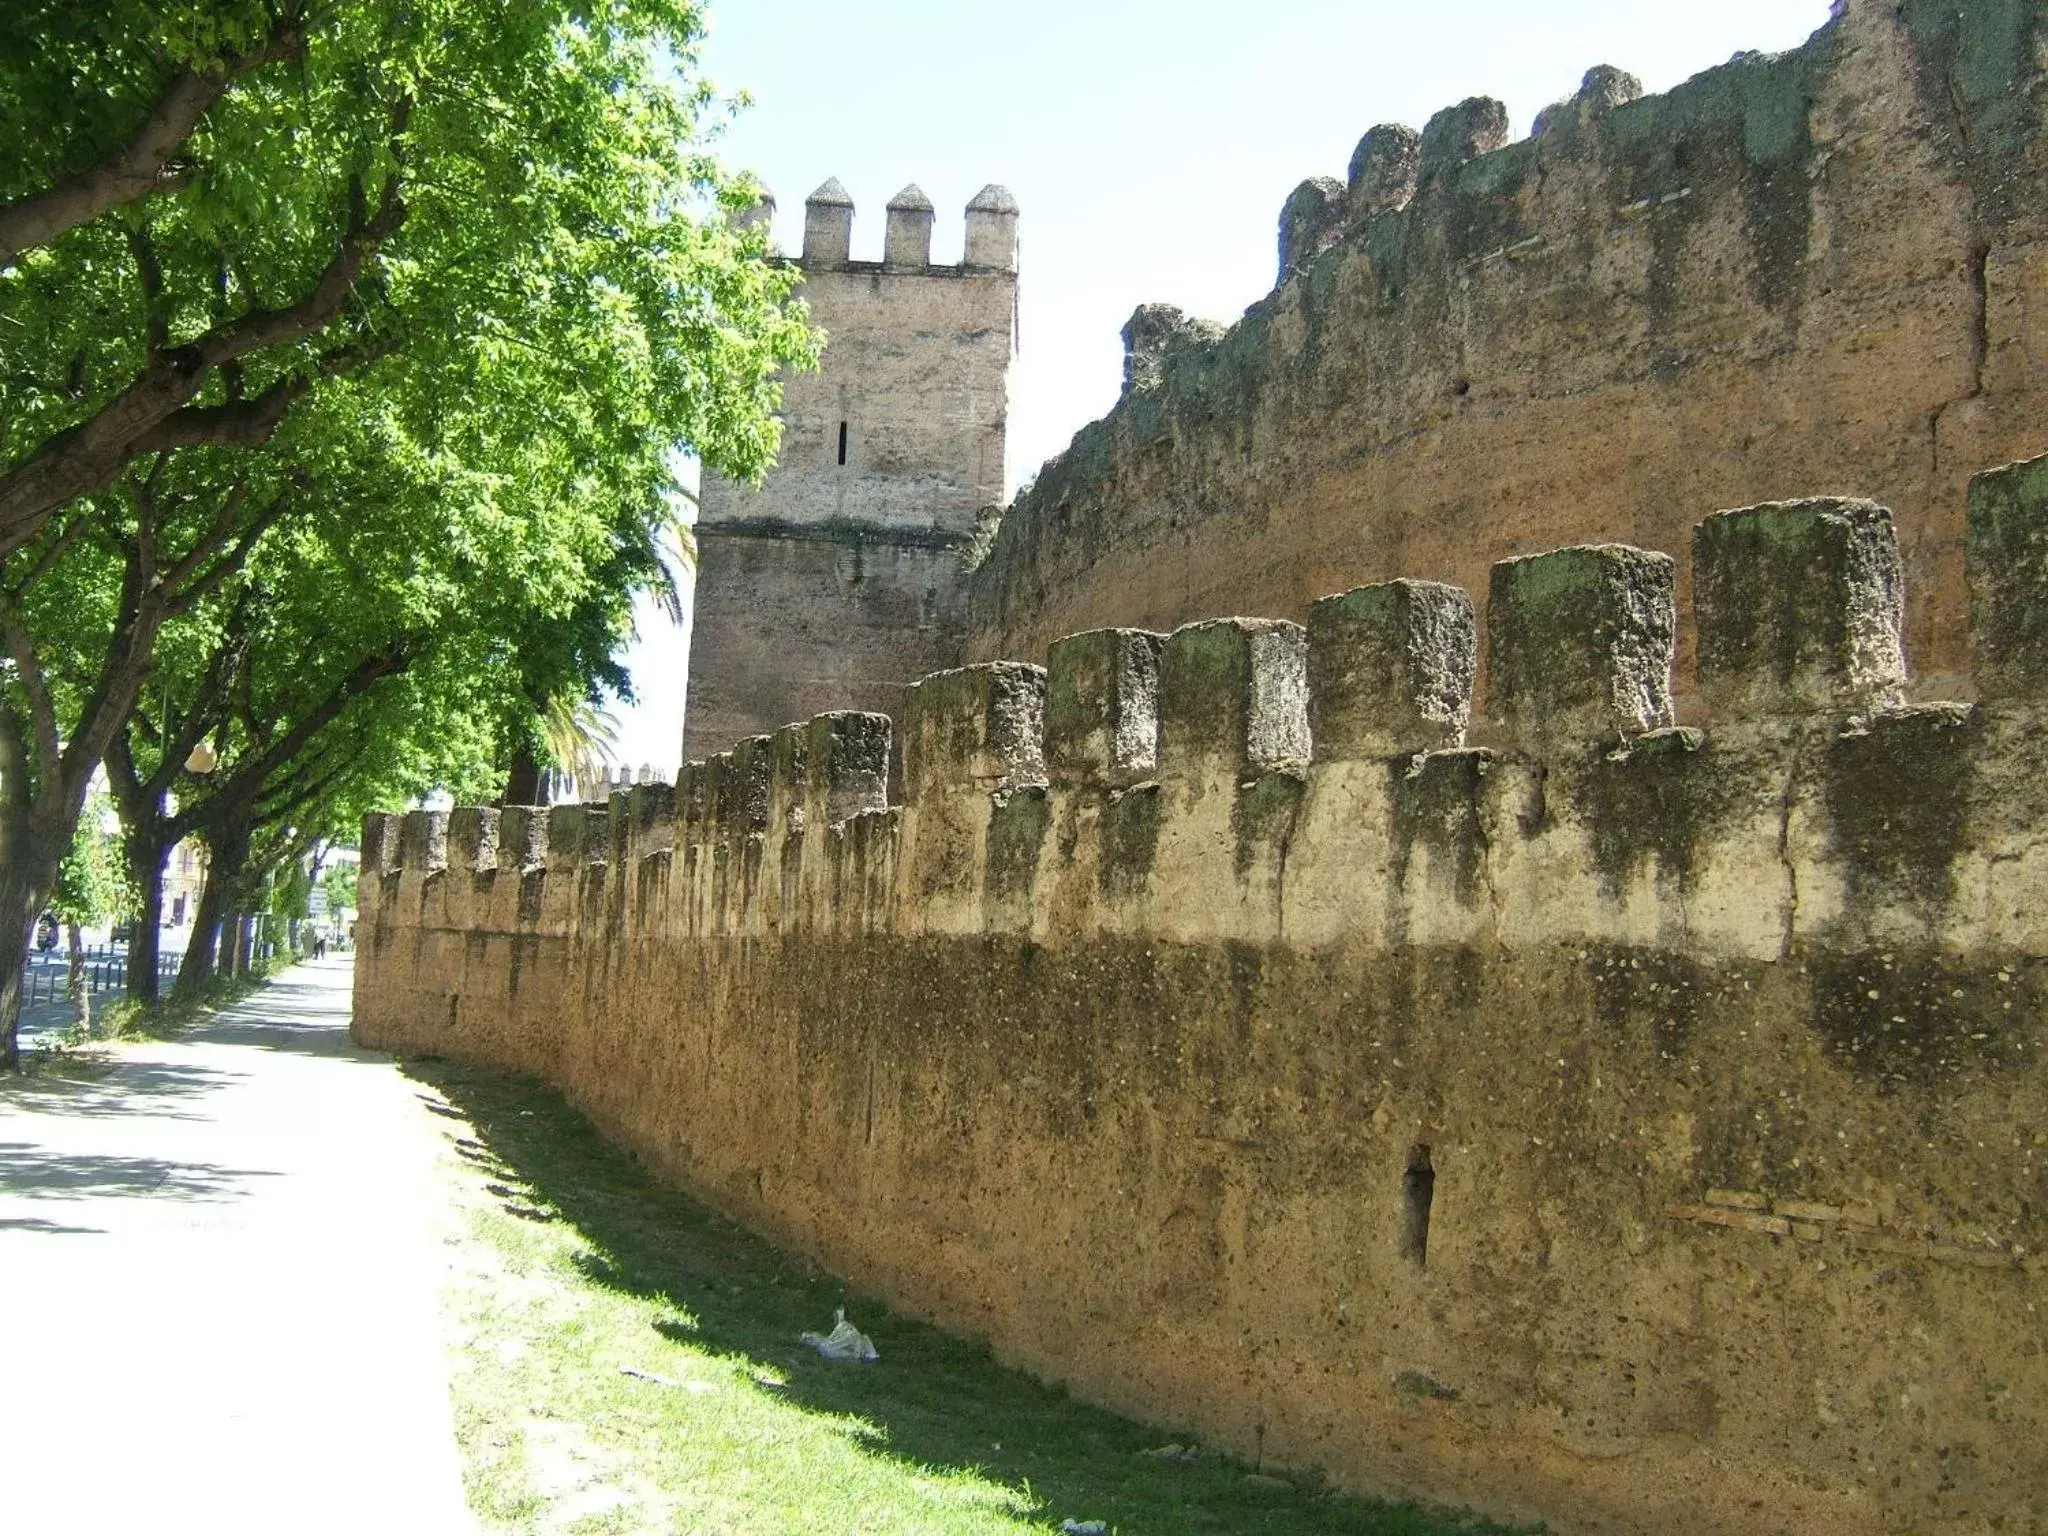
(30, 1172)
(109, 1088)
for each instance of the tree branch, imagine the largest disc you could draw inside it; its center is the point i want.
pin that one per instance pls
(156, 327)
(155, 412)
(245, 783)
(51, 554)
(209, 581)
(269, 327)
(213, 538)
(143, 164)
(237, 424)
(42, 708)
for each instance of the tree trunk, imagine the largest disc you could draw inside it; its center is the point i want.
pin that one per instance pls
(197, 972)
(227, 843)
(81, 1000)
(29, 857)
(522, 784)
(25, 885)
(146, 870)
(19, 904)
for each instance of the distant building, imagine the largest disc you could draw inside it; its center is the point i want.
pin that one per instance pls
(184, 878)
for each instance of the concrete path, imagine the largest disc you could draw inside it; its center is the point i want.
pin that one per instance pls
(221, 1268)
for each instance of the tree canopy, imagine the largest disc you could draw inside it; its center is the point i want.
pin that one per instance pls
(345, 347)
(364, 176)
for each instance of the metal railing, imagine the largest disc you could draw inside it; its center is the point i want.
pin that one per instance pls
(47, 977)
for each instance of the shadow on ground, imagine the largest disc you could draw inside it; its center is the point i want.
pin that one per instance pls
(293, 1011)
(92, 1086)
(936, 1403)
(33, 1173)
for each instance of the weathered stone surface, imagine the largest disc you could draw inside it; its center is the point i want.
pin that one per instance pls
(652, 810)
(1102, 707)
(1381, 178)
(1460, 134)
(789, 772)
(2008, 559)
(790, 624)
(848, 760)
(472, 839)
(381, 832)
(828, 223)
(744, 777)
(1312, 217)
(564, 845)
(1422, 1087)
(1798, 605)
(992, 228)
(423, 840)
(907, 239)
(1751, 1014)
(1390, 669)
(1233, 693)
(1603, 89)
(1154, 336)
(980, 726)
(1579, 646)
(522, 837)
(840, 580)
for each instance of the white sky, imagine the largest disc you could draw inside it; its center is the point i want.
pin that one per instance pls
(1150, 146)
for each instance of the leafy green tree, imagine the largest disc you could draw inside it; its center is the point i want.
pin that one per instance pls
(80, 612)
(340, 883)
(451, 270)
(225, 204)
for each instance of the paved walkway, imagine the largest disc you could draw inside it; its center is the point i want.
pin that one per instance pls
(221, 1267)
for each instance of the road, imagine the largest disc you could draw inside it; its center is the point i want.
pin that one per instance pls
(223, 1258)
(51, 1014)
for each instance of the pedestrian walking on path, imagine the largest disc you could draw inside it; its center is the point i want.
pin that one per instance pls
(223, 1259)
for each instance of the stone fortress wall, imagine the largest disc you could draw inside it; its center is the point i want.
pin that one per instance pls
(1548, 1108)
(1817, 271)
(840, 578)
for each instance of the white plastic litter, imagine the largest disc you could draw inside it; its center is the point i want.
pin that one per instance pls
(1084, 1527)
(845, 1342)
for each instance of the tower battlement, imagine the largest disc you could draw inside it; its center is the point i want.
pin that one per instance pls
(990, 232)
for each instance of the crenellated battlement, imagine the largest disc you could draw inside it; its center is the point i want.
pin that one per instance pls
(990, 242)
(838, 580)
(1240, 732)
(1120, 1036)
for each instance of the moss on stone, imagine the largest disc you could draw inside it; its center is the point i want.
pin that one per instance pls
(1897, 792)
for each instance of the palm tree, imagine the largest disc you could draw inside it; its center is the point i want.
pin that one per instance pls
(582, 738)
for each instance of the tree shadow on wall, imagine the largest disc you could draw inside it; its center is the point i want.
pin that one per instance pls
(937, 1403)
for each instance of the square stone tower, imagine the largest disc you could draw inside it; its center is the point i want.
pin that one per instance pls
(839, 581)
